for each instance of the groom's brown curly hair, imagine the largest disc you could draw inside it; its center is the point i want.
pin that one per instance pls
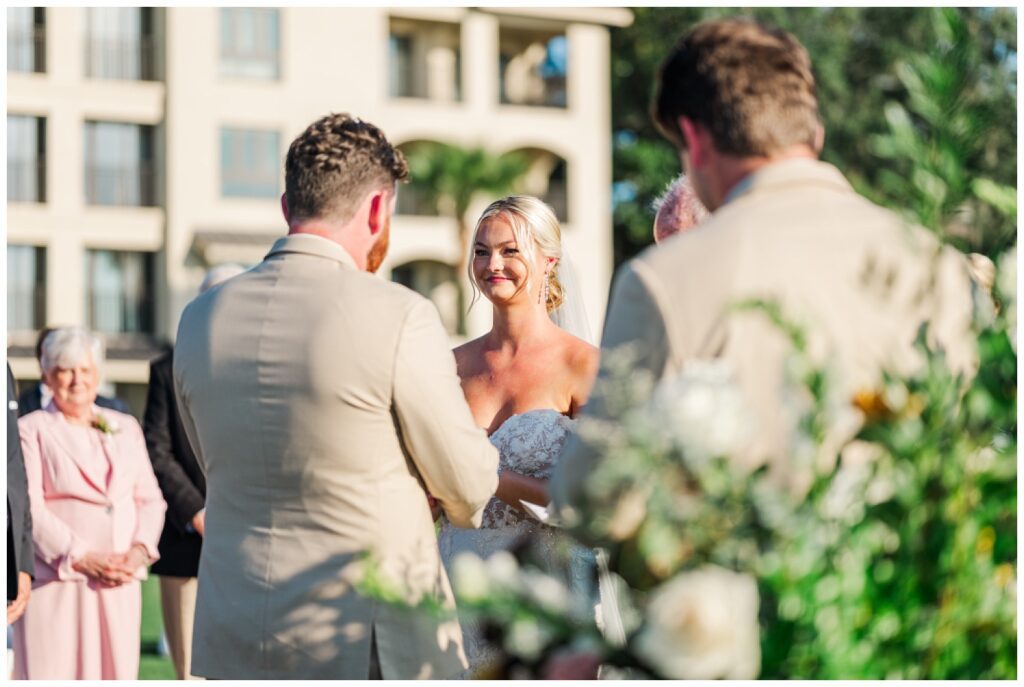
(750, 84)
(334, 163)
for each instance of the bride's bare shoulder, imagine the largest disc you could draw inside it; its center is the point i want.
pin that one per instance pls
(581, 356)
(468, 352)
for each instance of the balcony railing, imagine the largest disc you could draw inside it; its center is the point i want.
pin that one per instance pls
(121, 186)
(129, 59)
(26, 50)
(26, 181)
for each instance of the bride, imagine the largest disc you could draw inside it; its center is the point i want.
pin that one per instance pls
(524, 381)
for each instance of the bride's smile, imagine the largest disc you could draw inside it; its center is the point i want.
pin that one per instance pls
(501, 270)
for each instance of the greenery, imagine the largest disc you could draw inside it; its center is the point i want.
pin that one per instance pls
(152, 666)
(868, 62)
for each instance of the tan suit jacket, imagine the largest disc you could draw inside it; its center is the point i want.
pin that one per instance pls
(321, 402)
(855, 276)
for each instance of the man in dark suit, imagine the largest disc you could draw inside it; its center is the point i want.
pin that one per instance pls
(33, 397)
(20, 554)
(184, 488)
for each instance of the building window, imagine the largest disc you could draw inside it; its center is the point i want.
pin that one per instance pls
(26, 39)
(26, 288)
(250, 163)
(119, 167)
(26, 159)
(400, 67)
(250, 43)
(119, 43)
(533, 67)
(119, 296)
(424, 60)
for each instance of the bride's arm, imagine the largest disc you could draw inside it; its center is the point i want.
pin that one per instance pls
(513, 488)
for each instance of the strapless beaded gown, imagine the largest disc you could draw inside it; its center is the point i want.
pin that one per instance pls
(529, 444)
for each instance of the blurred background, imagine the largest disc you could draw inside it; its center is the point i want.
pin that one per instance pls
(145, 145)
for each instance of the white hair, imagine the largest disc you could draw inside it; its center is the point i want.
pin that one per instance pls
(678, 208)
(68, 347)
(220, 273)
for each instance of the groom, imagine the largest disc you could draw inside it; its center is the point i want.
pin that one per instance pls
(738, 101)
(322, 402)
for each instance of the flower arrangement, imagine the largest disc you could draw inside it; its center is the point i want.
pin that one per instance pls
(897, 558)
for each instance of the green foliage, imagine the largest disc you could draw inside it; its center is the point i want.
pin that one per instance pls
(454, 174)
(864, 58)
(936, 170)
(898, 561)
(918, 581)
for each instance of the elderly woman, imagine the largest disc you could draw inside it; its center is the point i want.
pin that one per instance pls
(97, 513)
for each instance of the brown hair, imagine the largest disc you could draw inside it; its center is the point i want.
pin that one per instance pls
(334, 163)
(751, 85)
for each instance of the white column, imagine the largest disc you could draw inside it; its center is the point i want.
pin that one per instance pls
(480, 61)
(590, 174)
(440, 71)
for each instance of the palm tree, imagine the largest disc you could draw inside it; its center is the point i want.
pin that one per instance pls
(451, 176)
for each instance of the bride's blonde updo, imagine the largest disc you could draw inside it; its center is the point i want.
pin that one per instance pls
(535, 227)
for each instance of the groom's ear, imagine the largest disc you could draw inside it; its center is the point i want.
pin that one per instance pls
(377, 217)
(698, 141)
(284, 208)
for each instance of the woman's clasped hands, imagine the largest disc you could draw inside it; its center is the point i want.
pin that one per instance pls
(112, 569)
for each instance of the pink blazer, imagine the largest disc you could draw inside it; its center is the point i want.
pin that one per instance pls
(88, 495)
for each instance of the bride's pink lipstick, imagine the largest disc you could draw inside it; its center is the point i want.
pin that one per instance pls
(497, 279)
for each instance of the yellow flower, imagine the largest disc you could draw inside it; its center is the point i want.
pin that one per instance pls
(872, 403)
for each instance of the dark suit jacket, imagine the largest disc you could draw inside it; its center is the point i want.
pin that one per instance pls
(181, 480)
(32, 399)
(19, 518)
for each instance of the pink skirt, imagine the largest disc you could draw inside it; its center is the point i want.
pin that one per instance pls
(79, 631)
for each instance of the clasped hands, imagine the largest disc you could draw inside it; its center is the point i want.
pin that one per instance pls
(112, 569)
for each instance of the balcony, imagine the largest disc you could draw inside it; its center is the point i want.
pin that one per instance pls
(533, 68)
(424, 60)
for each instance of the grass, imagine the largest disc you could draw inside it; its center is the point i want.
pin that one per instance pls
(152, 666)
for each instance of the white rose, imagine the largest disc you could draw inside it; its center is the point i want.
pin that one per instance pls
(703, 410)
(503, 570)
(469, 577)
(702, 625)
(526, 638)
(546, 591)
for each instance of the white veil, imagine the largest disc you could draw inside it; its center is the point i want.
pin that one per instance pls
(571, 315)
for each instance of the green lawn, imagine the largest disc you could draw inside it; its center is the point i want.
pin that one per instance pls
(151, 665)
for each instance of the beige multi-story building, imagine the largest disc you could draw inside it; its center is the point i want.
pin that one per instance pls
(145, 145)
